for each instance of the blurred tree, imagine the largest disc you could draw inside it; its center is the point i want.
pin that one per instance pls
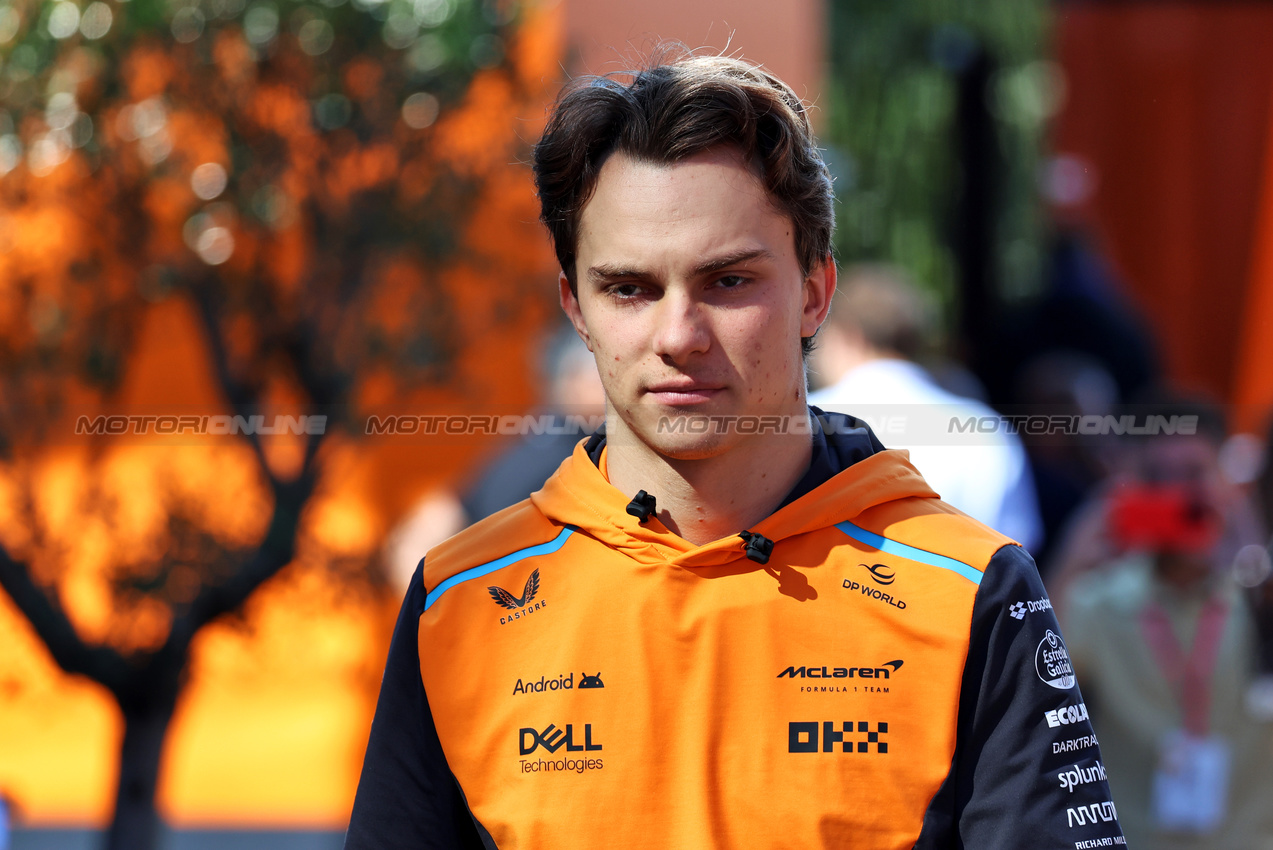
(898, 125)
(325, 184)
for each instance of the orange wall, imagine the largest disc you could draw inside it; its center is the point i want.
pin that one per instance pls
(787, 38)
(1170, 102)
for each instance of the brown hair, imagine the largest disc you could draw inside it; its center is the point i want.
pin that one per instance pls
(674, 110)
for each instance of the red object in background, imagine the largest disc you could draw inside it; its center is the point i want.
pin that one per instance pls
(1162, 519)
(1169, 103)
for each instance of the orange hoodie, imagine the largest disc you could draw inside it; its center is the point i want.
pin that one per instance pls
(591, 679)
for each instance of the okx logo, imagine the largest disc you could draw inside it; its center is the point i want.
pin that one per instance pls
(803, 737)
(552, 739)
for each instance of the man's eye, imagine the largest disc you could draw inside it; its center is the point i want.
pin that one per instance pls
(729, 281)
(625, 290)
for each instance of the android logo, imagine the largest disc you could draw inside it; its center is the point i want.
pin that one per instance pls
(591, 681)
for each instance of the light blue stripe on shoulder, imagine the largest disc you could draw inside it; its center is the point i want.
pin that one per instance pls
(498, 564)
(892, 547)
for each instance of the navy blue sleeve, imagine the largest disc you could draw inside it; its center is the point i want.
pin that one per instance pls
(407, 796)
(1027, 770)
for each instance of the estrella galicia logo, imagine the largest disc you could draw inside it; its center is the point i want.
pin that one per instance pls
(803, 737)
(880, 574)
(552, 739)
(1052, 662)
(520, 606)
(591, 681)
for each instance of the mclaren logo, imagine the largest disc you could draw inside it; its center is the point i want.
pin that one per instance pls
(824, 672)
(520, 606)
(880, 574)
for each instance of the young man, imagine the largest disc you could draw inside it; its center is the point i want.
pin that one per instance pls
(725, 622)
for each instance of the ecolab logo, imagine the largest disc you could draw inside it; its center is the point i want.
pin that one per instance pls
(1067, 715)
(841, 672)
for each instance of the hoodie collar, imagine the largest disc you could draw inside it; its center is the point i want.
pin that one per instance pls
(849, 471)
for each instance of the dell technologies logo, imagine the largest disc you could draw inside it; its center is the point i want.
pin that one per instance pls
(552, 739)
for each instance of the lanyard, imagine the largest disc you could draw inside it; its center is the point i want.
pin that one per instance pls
(1189, 674)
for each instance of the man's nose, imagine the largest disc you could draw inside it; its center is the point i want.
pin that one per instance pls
(681, 327)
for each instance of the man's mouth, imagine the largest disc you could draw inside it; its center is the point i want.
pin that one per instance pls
(680, 393)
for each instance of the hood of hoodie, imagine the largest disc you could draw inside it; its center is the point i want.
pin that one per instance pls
(579, 495)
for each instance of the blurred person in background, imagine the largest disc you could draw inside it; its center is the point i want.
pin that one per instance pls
(1066, 467)
(6, 820)
(879, 324)
(574, 400)
(1164, 641)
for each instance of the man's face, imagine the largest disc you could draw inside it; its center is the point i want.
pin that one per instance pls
(692, 300)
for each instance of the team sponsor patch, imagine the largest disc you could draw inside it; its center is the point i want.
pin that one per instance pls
(1108, 841)
(1075, 776)
(1052, 662)
(1066, 715)
(845, 737)
(553, 739)
(1074, 745)
(520, 606)
(1018, 610)
(1103, 812)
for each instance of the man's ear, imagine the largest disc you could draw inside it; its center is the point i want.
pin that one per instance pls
(570, 305)
(819, 287)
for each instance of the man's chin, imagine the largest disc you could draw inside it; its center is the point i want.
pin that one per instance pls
(681, 436)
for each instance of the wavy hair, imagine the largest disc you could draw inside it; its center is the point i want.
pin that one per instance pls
(674, 110)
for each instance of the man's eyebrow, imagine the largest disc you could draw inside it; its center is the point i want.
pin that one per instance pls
(604, 273)
(734, 259)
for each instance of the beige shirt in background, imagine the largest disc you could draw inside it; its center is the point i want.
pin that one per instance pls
(1132, 706)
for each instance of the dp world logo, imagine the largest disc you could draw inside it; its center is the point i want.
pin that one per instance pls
(1052, 662)
(880, 574)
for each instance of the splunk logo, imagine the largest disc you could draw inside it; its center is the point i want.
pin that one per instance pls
(824, 672)
(552, 739)
(803, 737)
(1075, 776)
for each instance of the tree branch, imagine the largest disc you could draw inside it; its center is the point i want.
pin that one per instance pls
(102, 664)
